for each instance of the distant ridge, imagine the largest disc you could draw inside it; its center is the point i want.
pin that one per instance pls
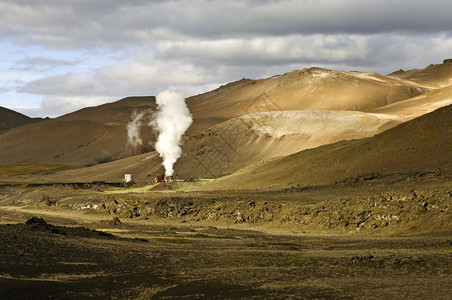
(312, 106)
(11, 119)
(432, 76)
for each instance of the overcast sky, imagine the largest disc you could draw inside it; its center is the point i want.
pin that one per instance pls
(58, 56)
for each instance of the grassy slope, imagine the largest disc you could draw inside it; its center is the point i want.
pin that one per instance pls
(21, 169)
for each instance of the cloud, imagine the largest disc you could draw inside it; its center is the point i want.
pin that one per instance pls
(80, 84)
(42, 64)
(105, 23)
(196, 66)
(55, 106)
(139, 77)
(268, 50)
(75, 53)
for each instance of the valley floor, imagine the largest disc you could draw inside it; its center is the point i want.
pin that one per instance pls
(378, 237)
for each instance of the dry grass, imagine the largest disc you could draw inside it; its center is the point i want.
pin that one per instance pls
(21, 169)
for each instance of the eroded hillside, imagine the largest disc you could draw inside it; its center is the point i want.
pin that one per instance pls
(238, 124)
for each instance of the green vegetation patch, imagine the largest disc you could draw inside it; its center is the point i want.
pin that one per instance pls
(21, 169)
(296, 261)
(12, 185)
(447, 246)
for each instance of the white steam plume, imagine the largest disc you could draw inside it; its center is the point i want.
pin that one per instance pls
(133, 129)
(171, 120)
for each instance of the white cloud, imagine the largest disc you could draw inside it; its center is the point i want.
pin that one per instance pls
(71, 84)
(268, 50)
(41, 63)
(55, 106)
(123, 79)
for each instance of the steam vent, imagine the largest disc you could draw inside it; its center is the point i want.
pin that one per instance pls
(163, 178)
(159, 177)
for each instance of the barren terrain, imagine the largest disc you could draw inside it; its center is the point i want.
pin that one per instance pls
(312, 184)
(381, 237)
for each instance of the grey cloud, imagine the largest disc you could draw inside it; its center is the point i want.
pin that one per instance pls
(194, 65)
(268, 50)
(122, 79)
(389, 52)
(196, 45)
(117, 23)
(204, 18)
(70, 84)
(42, 64)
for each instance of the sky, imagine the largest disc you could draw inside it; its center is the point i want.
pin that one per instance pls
(58, 56)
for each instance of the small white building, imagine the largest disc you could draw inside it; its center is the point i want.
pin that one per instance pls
(128, 178)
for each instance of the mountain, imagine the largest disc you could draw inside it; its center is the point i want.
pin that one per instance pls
(306, 89)
(238, 124)
(10, 119)
(99, 134)
(420, 145)
(418, 106)
(433, 76)
(89, 136)
(228, 146)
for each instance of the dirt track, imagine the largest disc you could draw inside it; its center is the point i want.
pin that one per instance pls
(170, 245)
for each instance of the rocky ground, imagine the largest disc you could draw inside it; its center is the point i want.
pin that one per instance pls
(372, 236)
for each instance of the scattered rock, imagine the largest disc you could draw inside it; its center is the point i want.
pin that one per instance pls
(239, 218)
(47, 201)
(362, 258)
(407, 260)
(40, 224)
(116, 220)
(36, 221)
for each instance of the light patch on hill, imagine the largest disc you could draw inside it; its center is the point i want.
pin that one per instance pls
(320, 123)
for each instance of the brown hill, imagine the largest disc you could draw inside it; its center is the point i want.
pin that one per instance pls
(226, 147)
(10, 119)
(52, 141)
(229, 146)
(418, 106)
(111, 114)
(306, 89)
(419, 145)
(99, 134)
(433, 76)
(89, 136)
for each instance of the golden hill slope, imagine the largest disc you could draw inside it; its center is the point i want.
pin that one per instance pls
(306, 89)
(418, 106)
(228, 146)
(99, 134)
(422, 144)
(433, 76)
